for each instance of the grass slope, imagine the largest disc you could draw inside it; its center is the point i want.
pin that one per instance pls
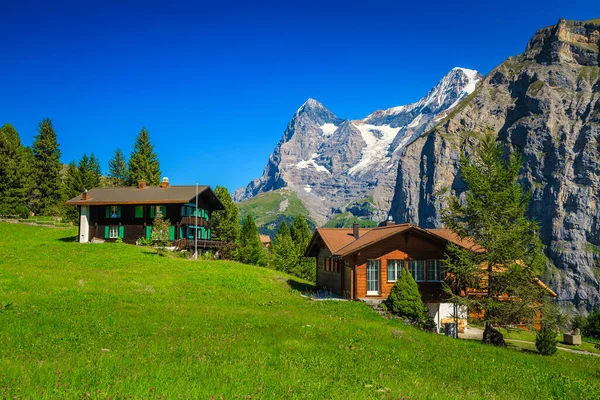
(113, 320)
(346, 220)
(268, 210)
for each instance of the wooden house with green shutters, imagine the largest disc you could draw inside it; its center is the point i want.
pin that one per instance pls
(128, 213)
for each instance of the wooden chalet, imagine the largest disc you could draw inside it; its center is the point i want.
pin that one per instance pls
(364, 263)
(128, 213)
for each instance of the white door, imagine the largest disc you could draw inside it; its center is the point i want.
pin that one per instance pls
(373, 277)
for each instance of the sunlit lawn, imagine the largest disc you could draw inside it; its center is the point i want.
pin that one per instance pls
(113, 320)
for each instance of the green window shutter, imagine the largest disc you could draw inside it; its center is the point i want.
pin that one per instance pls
(107, 211)
(139, 211)
(180, 232)
(121, 231)
(152, 211)
(203, 233)
(171, 233)
(163, 210)
(208, 236)
(183, 211)
(118, 211)
(207, 216)
(106, 232)
(148, 232)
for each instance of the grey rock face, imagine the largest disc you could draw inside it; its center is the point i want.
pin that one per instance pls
(544, 104)
(338, 166)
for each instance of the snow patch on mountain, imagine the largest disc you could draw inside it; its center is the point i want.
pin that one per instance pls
(328, 129)
(312, 163)
(378, 139)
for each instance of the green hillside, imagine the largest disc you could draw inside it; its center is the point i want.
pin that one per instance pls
(346, 220)
(271, 208)
(114, 320)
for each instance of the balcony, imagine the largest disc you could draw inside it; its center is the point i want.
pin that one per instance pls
(188, 244)
(192, 221)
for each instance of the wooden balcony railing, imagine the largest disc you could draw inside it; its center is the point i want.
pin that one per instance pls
(202, 244)
(192, 221)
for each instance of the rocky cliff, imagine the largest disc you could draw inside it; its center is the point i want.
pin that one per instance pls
(338, 167)
(544, 104)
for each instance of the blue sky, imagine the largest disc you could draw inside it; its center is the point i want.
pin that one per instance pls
(216, 85)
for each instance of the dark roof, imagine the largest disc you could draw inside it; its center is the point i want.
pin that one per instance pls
(148, 195)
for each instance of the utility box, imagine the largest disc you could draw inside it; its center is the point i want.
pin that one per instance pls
(573, 340)
(450, 329)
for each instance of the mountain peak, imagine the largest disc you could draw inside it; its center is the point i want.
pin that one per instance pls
(310, 104)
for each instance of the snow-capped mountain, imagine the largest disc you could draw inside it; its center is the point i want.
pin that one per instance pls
(338, 166)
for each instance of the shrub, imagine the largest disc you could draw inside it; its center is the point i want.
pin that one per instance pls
(428, 324)
(545, 340)
(579, 322)
(119, 240)
(404, 299)
(593, 325)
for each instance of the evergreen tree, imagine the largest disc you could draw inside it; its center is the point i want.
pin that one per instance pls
(592, 327)
(15, 171)
(160, 234)
(117, 169)
(47, 193)
(493, 216)
(73, 186)
(225, 223)
(301, 235)
(143, 162)
(250, 249)
(89, 172)
(284, 256)
(545, 340)
(405, 300)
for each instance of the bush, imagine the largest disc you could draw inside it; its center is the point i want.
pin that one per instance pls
(545, 340)
(428, 324)
(404, 299)
(579, 322)
(119, 240)
(593, 325)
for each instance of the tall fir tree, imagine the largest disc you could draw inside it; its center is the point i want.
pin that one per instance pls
(301, 235)
(284, 256)
(493, 216)
(15, 170)
(47, 195)
(143, 162)
(226, 223)
(250, 249)
(79, 177)
(117, 169)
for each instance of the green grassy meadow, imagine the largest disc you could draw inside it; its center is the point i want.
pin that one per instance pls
(114, 321)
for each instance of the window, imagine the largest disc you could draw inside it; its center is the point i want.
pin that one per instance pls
(394, 268)
(155, 211)
(113, 232)
(139, 211)
(435, 270)
(113, 212)
(417, 269)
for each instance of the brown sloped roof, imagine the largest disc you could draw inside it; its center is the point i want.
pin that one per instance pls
(336, 238)
(148, 195)
(370, 237)
(450, 236)
(265, 239)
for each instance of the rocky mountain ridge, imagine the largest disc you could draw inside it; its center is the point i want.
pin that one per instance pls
(545, 104)
(338, 166)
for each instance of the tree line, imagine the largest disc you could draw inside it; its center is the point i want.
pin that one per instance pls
(35, 182)
(286, 253)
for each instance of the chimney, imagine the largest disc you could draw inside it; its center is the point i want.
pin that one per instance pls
(164, 183)
(141, 184)
(355, 230)
(85, 195)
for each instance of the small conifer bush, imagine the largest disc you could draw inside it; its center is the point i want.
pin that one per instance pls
(545, 340)
(404, 299)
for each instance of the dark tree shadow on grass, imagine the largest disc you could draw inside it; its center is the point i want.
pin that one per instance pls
(68, 239)
(301, 286)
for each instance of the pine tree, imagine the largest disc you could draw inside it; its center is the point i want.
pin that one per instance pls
(15, 172)
(226, 223)
(250, 249)
(143, 162)
(493, 216)
(117, 169)
(405, 300)
(47, 195)
(284, 256)
(89, 172)
(301, 235)
(73, 186)
(545, 340)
